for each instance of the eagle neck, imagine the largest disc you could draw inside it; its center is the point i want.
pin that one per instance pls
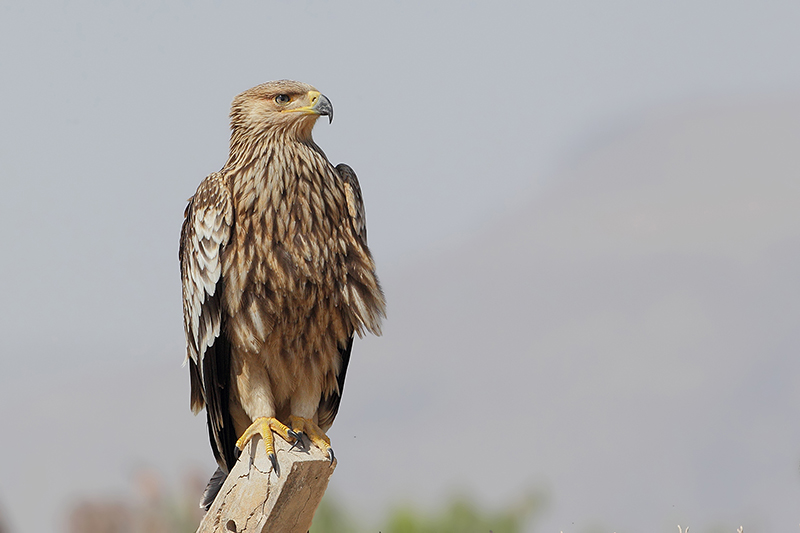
(288, 183)
(248, 147)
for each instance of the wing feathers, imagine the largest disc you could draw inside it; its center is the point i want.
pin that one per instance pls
(329, 405)
(362, 292)
(206, 230)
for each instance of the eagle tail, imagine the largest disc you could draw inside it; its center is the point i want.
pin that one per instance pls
(213, 488)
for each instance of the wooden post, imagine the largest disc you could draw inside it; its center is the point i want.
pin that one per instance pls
(254, 499)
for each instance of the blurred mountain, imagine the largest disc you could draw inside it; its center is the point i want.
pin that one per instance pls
(626, 341)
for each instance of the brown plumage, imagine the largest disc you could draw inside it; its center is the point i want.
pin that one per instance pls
(277, 276)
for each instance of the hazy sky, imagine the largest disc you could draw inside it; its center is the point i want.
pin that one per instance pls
(452, 113)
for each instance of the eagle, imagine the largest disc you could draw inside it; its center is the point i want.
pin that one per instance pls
(277, 279)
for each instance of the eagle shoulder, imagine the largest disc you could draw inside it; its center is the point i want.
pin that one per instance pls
(355, 202)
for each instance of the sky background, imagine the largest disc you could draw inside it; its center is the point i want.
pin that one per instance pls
(586, 218)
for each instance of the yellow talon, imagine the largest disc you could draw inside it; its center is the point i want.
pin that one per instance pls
(266, 426)
(317, 437)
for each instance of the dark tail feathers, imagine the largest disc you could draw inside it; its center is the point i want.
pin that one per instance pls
(212, 489)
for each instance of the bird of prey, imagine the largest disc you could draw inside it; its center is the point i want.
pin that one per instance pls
(277, 279)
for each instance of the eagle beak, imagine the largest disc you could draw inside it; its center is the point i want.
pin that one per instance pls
(321, 105)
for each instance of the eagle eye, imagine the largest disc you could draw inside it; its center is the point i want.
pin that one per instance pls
(282, 99)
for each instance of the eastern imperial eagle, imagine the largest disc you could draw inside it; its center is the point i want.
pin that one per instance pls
(277, 278)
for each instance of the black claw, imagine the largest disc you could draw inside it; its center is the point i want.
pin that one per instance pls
(274, 460)
(295, 435)
(330, 453)
(298, 442)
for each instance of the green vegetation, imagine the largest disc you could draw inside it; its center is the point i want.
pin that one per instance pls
(156, 508)
(459, 515)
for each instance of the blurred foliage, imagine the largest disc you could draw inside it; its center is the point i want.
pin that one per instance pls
(151, 509)
(460, 515)
(154, 509)
(332, 517)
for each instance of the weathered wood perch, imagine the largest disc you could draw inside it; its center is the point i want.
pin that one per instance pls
(256, 500)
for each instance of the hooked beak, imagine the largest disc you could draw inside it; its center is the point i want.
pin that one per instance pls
(321, 105)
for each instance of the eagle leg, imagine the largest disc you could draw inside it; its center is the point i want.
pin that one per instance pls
(266, 426)
(317, 437)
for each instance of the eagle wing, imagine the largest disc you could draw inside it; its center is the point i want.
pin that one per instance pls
(205, 232)
(329, 404)
(355, 204)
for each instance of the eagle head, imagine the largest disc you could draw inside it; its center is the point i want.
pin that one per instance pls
(282, 107)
